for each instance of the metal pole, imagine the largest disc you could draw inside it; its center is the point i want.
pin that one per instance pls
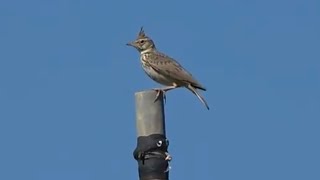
(151, 152)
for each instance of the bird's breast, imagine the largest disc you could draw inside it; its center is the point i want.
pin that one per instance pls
(153, 74)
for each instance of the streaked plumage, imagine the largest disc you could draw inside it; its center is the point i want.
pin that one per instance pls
(164, 69)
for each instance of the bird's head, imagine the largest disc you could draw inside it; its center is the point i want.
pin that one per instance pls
(143, 43)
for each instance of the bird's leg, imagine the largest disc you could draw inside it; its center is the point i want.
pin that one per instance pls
(163, 91)
(159, 91)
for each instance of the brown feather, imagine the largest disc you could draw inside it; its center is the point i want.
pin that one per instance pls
(172, 69)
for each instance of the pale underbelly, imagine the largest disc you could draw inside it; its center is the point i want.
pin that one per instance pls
(154, 75)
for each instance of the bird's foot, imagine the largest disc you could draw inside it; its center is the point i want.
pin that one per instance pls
(161, 92)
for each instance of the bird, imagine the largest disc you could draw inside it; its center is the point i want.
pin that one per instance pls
(163, 69)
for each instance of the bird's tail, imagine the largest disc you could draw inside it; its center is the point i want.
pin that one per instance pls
(194, 91)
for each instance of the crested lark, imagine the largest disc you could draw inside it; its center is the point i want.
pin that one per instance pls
(164, 69)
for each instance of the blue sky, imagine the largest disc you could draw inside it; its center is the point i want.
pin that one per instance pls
(67, 84)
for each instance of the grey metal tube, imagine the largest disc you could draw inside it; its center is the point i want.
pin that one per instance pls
(150, 118)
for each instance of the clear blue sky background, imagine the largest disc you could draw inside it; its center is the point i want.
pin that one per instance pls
(67, 84)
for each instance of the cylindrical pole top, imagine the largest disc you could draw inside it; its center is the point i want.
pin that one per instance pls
(150, 117)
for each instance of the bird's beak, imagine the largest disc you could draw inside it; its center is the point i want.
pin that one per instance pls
(130, 44)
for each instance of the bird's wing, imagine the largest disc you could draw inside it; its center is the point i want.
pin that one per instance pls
(169, 67)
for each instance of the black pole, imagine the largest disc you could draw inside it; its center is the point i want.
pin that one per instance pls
(151, 152)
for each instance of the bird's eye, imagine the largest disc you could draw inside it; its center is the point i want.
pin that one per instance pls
(141, 41)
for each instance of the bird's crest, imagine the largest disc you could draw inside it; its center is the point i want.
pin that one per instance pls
(141, 33)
